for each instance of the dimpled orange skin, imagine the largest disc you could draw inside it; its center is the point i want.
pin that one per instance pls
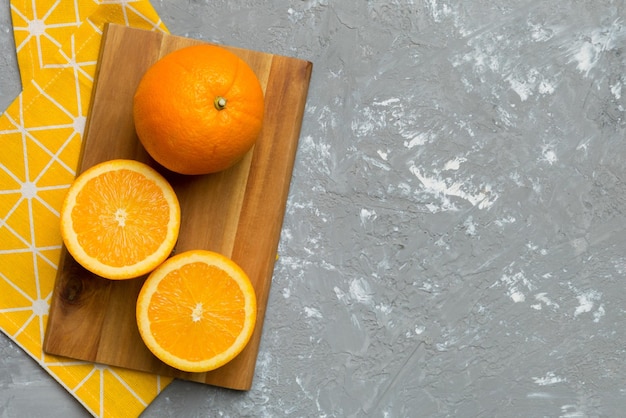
(177, 116)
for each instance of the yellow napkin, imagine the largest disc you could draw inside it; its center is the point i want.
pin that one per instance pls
(57, 46)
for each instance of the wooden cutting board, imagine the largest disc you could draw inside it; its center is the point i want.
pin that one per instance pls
(238, 212)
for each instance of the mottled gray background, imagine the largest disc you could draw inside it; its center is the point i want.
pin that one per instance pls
(454, 238)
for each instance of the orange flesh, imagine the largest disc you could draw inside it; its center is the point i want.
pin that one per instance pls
(196, 319)
(124, 210)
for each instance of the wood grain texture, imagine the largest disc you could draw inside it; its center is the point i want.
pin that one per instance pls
(238, 212)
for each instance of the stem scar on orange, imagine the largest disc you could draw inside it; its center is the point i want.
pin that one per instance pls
(120, 219)
(196, 311)
(198, 110)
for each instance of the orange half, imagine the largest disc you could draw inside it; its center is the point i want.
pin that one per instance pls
(120, 219)
(197, 311)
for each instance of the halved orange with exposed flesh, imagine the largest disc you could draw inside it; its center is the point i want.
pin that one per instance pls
(120, 219)
(197, 311)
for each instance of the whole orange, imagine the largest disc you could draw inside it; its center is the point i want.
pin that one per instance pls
(199, 109)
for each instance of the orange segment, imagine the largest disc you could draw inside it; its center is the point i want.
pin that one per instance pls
(120, 219)
(196, 311)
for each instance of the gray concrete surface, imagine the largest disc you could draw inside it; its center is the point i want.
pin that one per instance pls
(454, 240)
